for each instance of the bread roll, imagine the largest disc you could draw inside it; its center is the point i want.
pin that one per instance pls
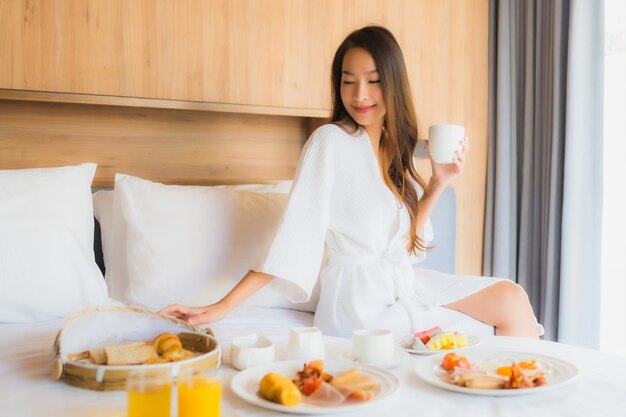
(279, 389)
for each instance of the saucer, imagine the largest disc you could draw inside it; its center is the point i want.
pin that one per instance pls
(398, 358)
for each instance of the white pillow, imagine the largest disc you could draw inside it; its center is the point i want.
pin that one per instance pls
(113, 236)
(47, 266)
(186, 244)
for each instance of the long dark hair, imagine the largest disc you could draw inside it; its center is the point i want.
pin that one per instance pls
(400, 134)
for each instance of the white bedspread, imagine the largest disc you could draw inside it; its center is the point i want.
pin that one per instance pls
(26, 388)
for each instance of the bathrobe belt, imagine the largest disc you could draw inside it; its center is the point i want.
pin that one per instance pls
(398, 263)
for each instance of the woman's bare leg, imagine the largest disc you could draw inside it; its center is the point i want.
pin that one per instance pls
(504, 305)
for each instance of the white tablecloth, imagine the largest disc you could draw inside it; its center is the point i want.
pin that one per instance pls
(599, 391)
(26, 389)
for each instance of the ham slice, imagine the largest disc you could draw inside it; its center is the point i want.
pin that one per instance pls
(325, 396)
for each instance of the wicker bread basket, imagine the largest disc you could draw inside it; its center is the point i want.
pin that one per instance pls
(101, 326)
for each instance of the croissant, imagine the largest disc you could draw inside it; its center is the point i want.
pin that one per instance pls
(170, 348)
(165, 341)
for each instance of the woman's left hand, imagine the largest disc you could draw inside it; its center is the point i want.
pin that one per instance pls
(443, 173)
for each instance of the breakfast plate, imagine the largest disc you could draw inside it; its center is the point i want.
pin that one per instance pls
(557, 372)
(398, 358)
(472, 342)
(246, 385)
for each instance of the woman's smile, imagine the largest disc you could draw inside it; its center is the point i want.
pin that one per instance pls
(363, 109)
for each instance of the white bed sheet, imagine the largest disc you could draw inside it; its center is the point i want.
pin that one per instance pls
(26, 388)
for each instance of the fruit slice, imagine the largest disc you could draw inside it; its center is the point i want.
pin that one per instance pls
(442, 341)
(460, 340)
(425, 335)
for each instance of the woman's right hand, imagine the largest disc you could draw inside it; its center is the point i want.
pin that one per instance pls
(443, 173)
(196, 315)
(248, 285)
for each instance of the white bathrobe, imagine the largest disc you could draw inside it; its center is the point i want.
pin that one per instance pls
(339, 199)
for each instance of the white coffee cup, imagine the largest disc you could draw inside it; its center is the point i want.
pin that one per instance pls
(305, 343)
(444, 141)
(251, 350)
(372, 346)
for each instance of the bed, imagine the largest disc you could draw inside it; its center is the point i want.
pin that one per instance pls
(28, 390)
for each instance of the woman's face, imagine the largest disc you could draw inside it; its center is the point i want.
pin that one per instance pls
(361, 92)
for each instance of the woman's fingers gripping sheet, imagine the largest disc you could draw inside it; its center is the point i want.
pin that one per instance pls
(194, 315)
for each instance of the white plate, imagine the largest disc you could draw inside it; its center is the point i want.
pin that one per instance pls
(557, 372)
(472, 342)
(398, 358)
(246, 385)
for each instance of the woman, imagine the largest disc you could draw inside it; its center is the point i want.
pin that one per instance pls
(356, 190)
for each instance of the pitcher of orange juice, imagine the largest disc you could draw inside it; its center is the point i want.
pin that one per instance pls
(199, 393)
(149, 394)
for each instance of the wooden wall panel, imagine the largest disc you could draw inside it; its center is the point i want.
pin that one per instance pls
(170, 146)
(259, 52)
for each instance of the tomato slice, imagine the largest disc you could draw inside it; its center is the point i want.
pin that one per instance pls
(309, 385)
(463, 363)
(452, 360)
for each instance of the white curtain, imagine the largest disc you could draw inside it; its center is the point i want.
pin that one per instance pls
(579, 299)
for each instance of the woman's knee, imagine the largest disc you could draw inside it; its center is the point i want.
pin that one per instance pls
(512, 294)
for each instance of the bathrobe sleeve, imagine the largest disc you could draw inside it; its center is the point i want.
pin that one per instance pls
(294, 256)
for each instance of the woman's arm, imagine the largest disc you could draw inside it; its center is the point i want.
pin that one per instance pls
(441, 176)
(300, 234)
(249, 284)
(426, 205)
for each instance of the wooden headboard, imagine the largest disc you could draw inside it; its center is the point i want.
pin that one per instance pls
(164, 145)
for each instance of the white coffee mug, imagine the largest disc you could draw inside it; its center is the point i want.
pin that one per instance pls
(444, 141)
(372, 346)
(305, 343)
(251, 350)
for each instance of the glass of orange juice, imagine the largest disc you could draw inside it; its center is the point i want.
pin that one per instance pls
(199, 393)
(149, 394)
